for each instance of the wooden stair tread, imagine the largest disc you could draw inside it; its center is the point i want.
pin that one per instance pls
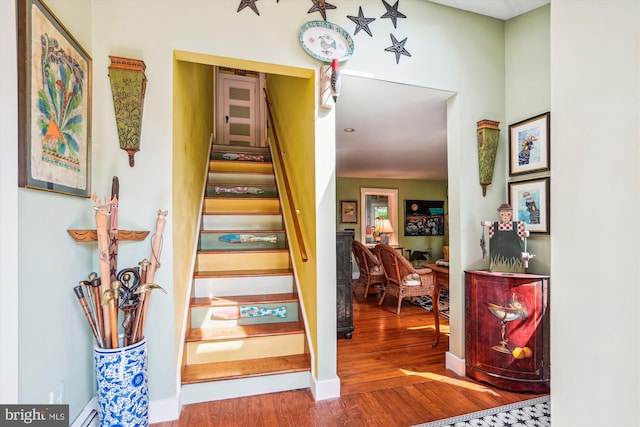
(243, 273)
(218, 371)
(243, 300)
(242, 231)
(251, 199)
(246, 331)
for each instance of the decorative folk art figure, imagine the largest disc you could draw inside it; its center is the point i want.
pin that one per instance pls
(488, 135)
(128, 86)
(507, 243)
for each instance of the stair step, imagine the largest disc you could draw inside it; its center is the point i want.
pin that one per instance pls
(259, 191)
(231, 300)
(241, 178)
(236, 148)
(206, 372)
(207, 317)
(255, 259)
(217, 222)
(240, 166)
(205, 345)
(241, 206)
(240, 156)
(238, 240)
(212, 284)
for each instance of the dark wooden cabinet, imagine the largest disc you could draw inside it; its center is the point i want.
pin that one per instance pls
(507, 330)
(344, 295)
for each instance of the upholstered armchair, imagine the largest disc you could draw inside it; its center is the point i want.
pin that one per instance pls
(404, 280)
(371, 272)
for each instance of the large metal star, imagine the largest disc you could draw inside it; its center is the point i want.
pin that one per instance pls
(361, 22)
(321, 6)
(398, 48)
(249, 3)
(392, 12)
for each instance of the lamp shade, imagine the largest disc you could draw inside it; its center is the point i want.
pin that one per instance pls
(385, 226)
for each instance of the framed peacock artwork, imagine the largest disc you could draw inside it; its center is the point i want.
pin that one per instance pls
(54, 81)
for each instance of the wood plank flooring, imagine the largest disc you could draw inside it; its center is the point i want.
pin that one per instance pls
(390, 376)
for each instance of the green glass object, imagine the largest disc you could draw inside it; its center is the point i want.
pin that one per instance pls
(128, 86)
(488, 136)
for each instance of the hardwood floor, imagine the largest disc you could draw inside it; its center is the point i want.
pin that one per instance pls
(390, 376)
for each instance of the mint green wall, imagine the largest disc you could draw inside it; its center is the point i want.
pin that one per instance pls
(349, 189)
(528, 94)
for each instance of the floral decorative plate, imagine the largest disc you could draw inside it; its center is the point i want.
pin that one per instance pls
(325, 41)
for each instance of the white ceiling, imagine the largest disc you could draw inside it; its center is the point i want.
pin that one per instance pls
(401, 130)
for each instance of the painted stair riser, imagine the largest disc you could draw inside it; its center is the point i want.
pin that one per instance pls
(241, 261)
(231, 389)
(246, 167)
(242, 222)
(242, 349)
(237, 148)
(212, 287)
(241, 178)
(242, 191)
(201, 317)
(239, 155)
(242, 241)
(242, 206)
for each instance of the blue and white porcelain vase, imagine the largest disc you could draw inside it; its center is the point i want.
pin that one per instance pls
(121, 377)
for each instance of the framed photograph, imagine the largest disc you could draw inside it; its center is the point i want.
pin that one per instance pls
(54, 104)
(349, 211)
(423, 218)
(529, 145)
(530, 203)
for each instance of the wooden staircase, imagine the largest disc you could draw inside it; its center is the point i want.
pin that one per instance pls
(245, 334)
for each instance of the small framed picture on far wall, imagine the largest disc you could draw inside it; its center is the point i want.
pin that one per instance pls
(349, 211)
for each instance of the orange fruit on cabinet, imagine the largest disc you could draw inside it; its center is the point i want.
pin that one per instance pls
(527, 352)
(518, 353)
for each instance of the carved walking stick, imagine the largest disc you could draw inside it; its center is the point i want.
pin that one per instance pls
(142, 291)
(109, 301)
(113, 231)
(156, 245)
(85, 309)
(102, 214)
(95, 284)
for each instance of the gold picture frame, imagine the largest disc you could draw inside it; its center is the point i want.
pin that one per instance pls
(54, 104)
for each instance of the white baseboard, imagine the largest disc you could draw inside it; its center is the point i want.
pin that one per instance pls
(455, 364)
(159, 411)
(327, 389)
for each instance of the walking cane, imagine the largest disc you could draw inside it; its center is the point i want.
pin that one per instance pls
(108, 300)
(95, 284)
(144, 301)
(85, 309)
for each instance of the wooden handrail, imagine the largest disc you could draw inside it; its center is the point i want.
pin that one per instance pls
(287, 188)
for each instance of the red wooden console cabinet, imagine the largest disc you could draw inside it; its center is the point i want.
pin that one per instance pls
(507, 330)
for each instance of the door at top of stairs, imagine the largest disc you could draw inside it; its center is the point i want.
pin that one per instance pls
(241, 115)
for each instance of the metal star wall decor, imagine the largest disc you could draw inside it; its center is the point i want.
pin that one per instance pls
(321, 6)
(392, 12)
(361, 22)
(398, 48)
(249, 3)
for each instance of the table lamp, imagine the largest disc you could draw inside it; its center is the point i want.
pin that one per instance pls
(385, 229)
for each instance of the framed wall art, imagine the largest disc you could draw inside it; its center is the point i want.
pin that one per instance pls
(349, 211)
(530, 203)
(423, 218)
(54, 104)
(529, 145)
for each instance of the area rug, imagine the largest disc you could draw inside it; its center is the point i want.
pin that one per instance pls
(529, 413)
(425, 302)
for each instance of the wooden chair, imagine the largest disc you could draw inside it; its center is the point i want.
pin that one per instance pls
(404, 280)
(371, 272)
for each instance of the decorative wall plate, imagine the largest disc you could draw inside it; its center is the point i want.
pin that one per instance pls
(325, 41)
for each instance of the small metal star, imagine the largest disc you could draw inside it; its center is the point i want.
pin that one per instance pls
(321, 6)
(392, 12)
(249, 3)
(398, 48)
(361, 22)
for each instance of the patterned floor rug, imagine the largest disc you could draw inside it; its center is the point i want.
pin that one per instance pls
(425, 302)
(529, 413)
